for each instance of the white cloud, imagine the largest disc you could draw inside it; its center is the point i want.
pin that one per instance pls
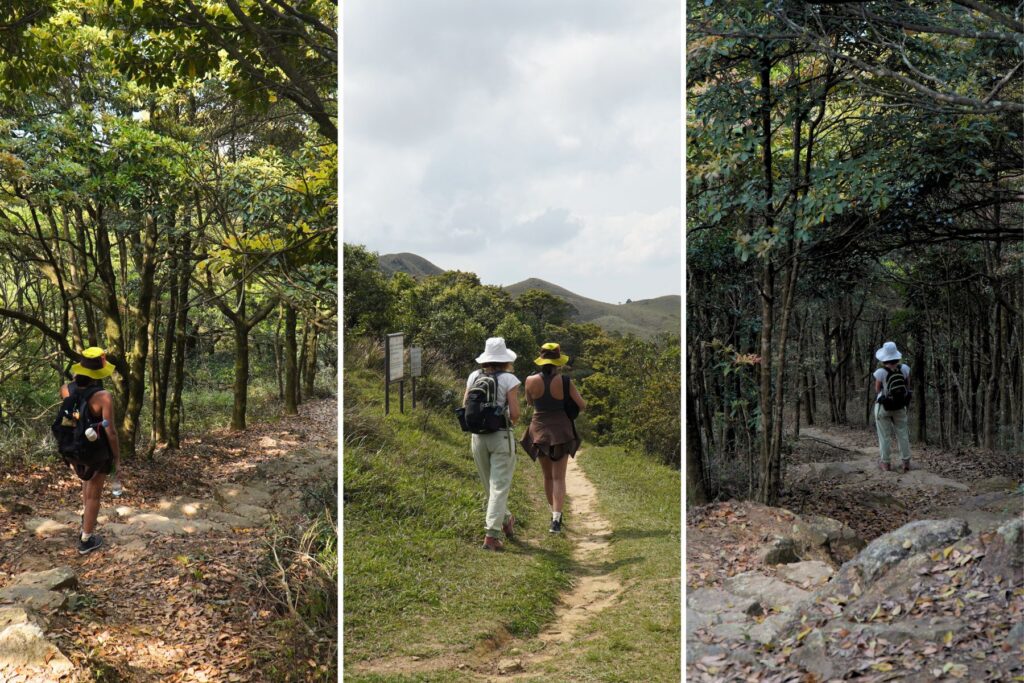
(480, 127)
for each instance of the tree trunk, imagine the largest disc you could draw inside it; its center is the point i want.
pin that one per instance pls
(180, 342)
(696, 488)
(291, 367)
(241, 389)
(309, 367)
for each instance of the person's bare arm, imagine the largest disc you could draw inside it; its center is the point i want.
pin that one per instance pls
(107, 405)
(512, 398)
(575, 395)
(526, 391)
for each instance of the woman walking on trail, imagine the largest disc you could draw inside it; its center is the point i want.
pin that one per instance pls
(494, 453)
(106, 456)
(892, 396)
(551, 435)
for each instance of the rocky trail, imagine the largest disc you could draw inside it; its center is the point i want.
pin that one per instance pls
(937, 593)
(174, 594)
(594, 589)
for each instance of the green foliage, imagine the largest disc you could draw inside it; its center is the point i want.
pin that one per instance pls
(631, 385)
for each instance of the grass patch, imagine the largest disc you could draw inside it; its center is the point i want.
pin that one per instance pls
(416, 582)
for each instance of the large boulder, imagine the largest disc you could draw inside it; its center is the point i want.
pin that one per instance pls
(809, 574)
(782, 550)
(895, 546)
(38, 599)
(23, 646)
(842, 542)
(1006, 549)
(51, 579)
(768, 591)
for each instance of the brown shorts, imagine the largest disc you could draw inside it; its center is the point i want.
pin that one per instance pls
(87, 472)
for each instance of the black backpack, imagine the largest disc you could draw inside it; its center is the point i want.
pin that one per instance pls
(482, 414)
(895, 393)
(69, 428)
(571, 409)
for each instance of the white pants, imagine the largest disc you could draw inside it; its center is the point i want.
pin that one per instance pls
(495, 462)
(889, 424)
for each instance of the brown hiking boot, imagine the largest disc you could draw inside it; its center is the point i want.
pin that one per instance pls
(884, 466)
(508, 526)
(492, 543)
(906, 465)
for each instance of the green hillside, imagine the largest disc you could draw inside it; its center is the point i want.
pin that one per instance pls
(644, 318)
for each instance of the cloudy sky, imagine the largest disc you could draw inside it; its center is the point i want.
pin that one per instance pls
(518, 139)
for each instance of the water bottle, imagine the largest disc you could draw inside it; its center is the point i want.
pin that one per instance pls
(91, 432)
(116, 489)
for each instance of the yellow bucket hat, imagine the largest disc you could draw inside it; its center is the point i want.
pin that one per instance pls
(551, 354)
(93, 364)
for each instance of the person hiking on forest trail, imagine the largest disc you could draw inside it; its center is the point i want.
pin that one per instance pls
(551, 435)
(892, 396)
(105, 450)
(494, 452)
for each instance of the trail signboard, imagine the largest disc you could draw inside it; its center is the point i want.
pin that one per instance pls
(394, 369)
(415, 361)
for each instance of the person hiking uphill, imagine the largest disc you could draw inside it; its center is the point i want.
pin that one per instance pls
(494, 452)
(551, 435)
(105, 450)
(892, 396)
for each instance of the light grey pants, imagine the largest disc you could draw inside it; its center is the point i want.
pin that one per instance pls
(889, 424)
(495, 462)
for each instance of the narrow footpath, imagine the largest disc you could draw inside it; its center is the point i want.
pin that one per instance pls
(178, 591)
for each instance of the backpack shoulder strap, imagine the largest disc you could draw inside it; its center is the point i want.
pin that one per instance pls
(565, 387)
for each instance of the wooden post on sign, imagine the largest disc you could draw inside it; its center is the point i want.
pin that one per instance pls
(401, 396)
(387, 376)
(415, 368)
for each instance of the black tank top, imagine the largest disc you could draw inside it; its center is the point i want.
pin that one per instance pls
(546, 403)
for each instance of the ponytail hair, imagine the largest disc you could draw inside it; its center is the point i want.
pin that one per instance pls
(548, 369)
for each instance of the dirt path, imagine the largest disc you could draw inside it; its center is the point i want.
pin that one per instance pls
(595, 588)
(939, 485)
(174, 594)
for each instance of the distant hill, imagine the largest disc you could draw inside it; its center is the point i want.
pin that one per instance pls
(643, 318)
(414, 265)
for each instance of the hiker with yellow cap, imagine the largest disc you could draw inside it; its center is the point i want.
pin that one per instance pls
(551, 435)
(99, 453)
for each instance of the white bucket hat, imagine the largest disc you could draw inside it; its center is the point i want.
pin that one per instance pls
(495, 352)
(888, 352)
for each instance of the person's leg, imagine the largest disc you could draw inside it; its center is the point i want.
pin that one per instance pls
(545, 466)
(502, 467)
(902, 429)
(558, 483)
(883, 425)
(482, 458)
(91, 491)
